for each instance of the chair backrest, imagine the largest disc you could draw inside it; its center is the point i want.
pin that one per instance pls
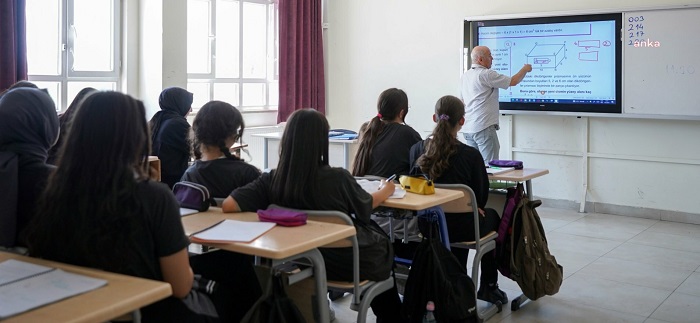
(338, 218)
(464, 204)
(327, 216)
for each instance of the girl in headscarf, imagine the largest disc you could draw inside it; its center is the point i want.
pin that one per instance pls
(28, 128)
(169, 133)
(63, 120)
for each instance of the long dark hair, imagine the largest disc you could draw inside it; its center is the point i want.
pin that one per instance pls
(92, 193)
(303, 151)
(216, 122)
(64, 121)
(389, 105)
(449, 110)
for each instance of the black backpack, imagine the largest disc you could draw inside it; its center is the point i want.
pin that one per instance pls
(437, 276)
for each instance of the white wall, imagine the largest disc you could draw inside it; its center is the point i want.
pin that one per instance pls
(635, 167)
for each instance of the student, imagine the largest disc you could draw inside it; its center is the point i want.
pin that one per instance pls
(386, 139)
(384, 145)
(19, 84)
(217, 126)
(448, 161)
(100, 210)
(63, 121)
(169, 132)
(28, 128)
(303, 180)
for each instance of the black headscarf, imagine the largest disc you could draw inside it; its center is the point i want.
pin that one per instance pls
(174, 102)
(28, 128)
(28, 124)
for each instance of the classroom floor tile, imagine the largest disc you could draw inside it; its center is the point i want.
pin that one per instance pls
(616, 269)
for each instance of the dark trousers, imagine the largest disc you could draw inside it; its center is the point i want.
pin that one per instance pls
(238, 286)
(460, 227)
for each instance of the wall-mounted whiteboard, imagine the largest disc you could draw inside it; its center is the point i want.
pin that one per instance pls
(661, 63)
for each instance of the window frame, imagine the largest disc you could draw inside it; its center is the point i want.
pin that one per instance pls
(67, 42)
(272, 57)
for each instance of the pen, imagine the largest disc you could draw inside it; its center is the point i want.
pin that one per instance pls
(391, 178)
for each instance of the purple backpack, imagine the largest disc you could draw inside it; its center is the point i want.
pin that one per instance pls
(192, 196)
(505, 229)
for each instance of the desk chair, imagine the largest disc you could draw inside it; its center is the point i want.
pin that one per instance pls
(363, 291)
(481, 246)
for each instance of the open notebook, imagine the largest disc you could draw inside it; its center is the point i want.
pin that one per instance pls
(498, 170)
(232, 231)
(24, 286)
(373, 186)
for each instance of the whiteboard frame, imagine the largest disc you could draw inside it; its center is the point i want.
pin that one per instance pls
(621, 11)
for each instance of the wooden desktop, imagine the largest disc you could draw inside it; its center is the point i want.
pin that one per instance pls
(122, 294)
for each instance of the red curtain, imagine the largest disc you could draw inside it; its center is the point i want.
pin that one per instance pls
(301, 80)
(13, 43)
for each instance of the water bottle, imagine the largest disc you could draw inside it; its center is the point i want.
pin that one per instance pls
(429, 316)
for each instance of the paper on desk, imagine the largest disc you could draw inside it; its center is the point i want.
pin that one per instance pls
(373, 186)
(41, 285)
(232, 231)
(498, 170)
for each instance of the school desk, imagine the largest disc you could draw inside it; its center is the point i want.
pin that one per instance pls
(347, 143)
(280, 244)
(122, 294)
(521, 175)
(154, 163)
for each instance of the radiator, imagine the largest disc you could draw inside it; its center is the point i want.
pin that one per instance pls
(253, 154)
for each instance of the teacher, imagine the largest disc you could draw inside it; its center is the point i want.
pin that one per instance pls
(480, 87)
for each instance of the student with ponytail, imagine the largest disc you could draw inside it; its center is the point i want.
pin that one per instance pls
(448, 161)
(217, 126)
(386, 139)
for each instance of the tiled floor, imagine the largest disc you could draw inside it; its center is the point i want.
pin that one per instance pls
(616, 269)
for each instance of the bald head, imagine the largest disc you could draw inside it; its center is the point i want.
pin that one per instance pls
(482, 55)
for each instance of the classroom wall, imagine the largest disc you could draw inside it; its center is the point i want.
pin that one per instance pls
(634, 167)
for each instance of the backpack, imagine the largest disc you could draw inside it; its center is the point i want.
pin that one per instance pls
(505, 229)
(437, 276)
(192, 196)
(274, 306)
(532, 266)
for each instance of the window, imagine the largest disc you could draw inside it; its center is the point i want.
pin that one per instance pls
(232, 52)
(72, 44)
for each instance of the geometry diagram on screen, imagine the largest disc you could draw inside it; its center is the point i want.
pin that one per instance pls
(586, 44)
(546, 55)
(588, 56)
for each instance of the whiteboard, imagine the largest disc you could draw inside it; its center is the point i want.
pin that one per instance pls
(661, 63)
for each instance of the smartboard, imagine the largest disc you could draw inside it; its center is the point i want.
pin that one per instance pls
(661, 63)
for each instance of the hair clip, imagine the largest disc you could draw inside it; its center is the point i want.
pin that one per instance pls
(444, 117)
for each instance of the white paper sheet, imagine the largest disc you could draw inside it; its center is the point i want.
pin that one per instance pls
(233, 231)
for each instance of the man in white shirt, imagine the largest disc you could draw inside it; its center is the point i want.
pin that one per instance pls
(480, 87)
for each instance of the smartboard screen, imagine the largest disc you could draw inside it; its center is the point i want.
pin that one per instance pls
(576, 61)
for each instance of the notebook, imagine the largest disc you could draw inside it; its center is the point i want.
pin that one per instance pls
(232, 231)
(498, 170)
(25, 286)
(373, 186)
(186, 211)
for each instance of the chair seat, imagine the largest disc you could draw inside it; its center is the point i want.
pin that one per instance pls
(470, 244)
(344, 284)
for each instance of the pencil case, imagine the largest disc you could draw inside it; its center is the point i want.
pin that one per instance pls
(506, 163)
(285, 218)
(419, 184)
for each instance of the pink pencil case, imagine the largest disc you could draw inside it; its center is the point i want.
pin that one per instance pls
(286, 218)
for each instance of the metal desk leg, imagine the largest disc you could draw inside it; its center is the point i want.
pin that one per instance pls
(319, 268)
(528, 186)
(265, 145)
(346, 155)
